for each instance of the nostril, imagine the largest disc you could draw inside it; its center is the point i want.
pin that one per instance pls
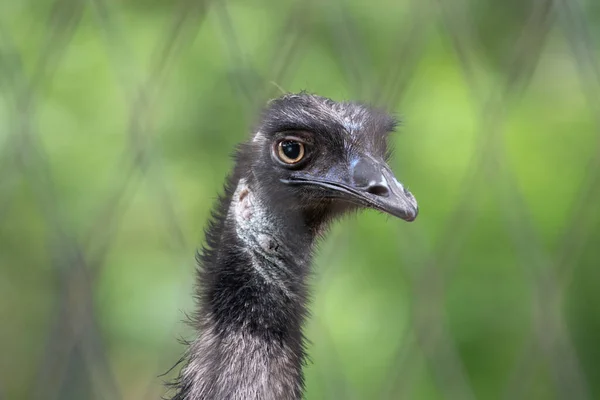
(378, 190)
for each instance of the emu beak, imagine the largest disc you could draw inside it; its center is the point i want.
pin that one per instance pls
(368, 183)
(374, 184)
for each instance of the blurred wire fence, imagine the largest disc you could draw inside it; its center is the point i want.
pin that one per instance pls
(55, 247)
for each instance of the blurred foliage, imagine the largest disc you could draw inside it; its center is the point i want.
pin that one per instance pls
(117, 120)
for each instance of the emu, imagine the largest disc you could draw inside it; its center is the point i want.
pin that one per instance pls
(309, 161)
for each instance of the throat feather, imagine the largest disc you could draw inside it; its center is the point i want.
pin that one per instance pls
(259, 231)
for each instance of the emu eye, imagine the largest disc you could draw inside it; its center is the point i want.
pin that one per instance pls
(290, 151)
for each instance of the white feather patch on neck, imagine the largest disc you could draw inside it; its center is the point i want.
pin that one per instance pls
(257, 228)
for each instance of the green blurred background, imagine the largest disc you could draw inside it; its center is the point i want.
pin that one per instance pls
(117, 119)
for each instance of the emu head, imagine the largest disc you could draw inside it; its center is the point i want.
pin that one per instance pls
(324, 158)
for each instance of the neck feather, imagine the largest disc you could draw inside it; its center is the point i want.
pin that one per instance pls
(252, 301)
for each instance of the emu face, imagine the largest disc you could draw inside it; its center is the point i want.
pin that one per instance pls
(317, 154)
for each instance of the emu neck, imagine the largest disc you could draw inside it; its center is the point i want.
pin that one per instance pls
(252, 291)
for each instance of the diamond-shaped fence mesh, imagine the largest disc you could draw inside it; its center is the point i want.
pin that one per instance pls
(116, 122)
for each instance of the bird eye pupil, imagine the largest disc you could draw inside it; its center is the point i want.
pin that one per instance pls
(291, 149)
